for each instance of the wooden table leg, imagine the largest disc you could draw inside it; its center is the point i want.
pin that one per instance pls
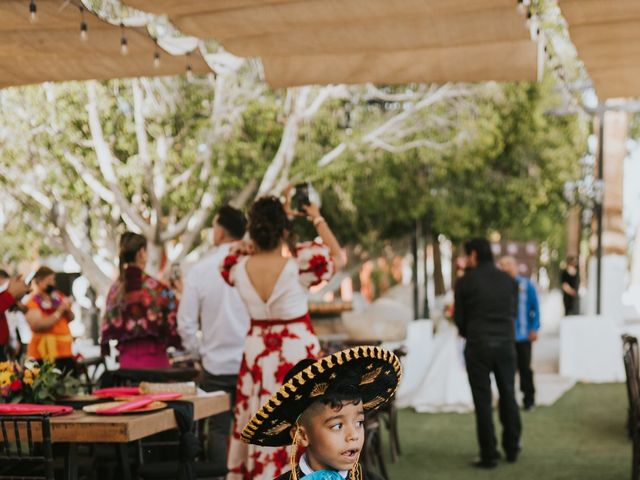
(123, 460)
(71, 462)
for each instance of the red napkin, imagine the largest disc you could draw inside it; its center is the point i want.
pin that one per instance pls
(126, 406)
(117, 392)
(31, 408)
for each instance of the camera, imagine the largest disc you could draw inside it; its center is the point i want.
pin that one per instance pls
(304, 195)
(300, 198)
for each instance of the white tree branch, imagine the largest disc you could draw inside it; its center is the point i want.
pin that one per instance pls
(143, 154)
(105, 162)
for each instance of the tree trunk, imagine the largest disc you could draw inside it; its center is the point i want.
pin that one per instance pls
(438, 277)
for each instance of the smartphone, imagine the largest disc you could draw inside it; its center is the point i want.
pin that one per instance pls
(176, 272)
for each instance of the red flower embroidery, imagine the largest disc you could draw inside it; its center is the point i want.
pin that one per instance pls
(273, 341)
(318, 265)
(280, 459)
(282, 370)
(16, 385)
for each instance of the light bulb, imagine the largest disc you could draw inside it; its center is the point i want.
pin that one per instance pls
(156, 60)
(189, 73)
(124, 46)
(33, 17)
(84, 34)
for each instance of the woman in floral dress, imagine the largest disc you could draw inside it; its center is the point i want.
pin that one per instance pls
(273, 282)
(141, 311)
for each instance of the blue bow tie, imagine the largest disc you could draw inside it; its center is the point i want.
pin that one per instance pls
(323, 475)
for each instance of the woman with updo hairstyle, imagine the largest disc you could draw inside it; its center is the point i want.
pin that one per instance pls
(273, 276)
(141, 311)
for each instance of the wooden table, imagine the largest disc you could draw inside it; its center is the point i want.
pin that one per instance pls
(80, 427)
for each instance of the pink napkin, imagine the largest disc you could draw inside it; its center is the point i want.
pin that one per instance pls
(117, 392)
(31, 408)
(126, 406)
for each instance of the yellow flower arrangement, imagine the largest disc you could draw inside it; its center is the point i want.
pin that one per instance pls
(5, 378)
(33, 383)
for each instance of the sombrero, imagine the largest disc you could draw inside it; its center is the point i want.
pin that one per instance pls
(373, 371)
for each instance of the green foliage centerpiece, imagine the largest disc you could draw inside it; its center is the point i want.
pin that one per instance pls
(34, 383)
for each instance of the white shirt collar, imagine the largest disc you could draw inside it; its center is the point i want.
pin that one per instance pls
(307, 470)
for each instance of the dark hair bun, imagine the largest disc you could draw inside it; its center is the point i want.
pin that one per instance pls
(268, 223)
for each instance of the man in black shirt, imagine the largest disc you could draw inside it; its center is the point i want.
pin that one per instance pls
(570, 282)
(485, 312)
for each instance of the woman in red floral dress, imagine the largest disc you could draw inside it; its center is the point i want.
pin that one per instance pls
(274, 285)
(141, 311)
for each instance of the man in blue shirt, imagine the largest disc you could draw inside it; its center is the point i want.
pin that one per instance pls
(527, 326)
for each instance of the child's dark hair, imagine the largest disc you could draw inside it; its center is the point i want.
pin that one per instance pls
(335, 400)
(268, 223)
(342, 395)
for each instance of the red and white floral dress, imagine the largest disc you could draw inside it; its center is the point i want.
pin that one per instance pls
(280, 336)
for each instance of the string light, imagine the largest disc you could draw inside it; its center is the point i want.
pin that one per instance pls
(33, 18)
(124, 44)
(84, 33)
(522, 6)
(189, 69)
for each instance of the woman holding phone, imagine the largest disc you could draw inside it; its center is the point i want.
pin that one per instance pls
(48, 314)
(273, 275)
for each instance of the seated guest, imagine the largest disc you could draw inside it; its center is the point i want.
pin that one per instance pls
(141, 311)
(321, 408)
(48, 314)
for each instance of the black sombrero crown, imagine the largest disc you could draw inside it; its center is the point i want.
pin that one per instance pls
(377, 372)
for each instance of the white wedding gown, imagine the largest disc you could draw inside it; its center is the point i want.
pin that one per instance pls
(435, 378)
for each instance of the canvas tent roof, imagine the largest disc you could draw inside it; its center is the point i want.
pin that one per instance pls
(607, 38)
(353, 41)
(51, 49)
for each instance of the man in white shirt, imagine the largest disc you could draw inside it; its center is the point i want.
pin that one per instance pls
(210, 305)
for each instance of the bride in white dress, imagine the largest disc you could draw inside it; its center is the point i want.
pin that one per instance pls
(435, 377)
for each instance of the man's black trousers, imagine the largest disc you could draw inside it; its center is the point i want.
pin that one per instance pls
(220, 424)
(523, 351)
(499, 357)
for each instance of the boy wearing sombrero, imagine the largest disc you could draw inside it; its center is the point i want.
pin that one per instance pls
(321, 408)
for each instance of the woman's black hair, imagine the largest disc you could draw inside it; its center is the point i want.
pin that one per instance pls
(268, 223)
(130, 244)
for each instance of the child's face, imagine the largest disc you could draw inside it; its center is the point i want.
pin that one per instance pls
(333, 437)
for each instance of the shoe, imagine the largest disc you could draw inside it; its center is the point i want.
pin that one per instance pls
(478, 462)
(512, 457)
(488, 464)
(527, 407)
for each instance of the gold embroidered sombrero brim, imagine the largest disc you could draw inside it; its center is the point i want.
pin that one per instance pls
(377, 374)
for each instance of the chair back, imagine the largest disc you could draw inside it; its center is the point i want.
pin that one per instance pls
(25, 448)
(631, 367)
(133, 376)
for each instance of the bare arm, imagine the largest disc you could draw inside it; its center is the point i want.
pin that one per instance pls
(40, 322)
(328, 238)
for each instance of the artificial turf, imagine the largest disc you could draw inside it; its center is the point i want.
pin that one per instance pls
(582, 436)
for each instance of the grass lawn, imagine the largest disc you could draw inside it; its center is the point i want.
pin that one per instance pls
(581, 437)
